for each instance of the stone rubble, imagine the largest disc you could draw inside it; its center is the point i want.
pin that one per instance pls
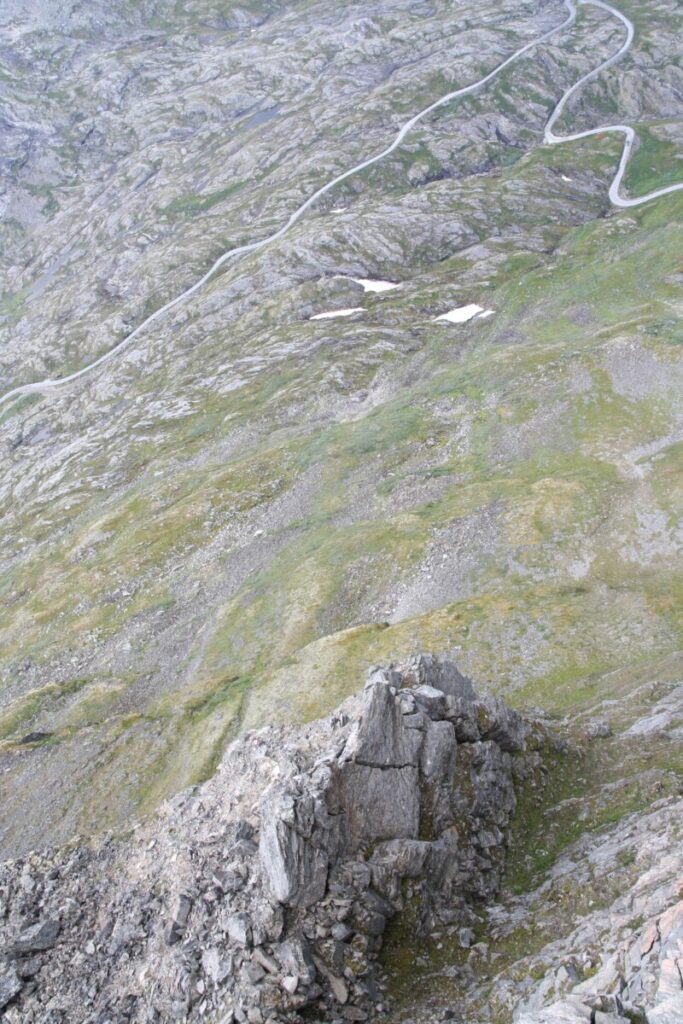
(641, 981)
(622, 959)
(269, 888)
(644, 981)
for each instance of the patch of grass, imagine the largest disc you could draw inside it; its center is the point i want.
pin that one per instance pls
(657, 162)
(20, 404)
(17, 717)
(190, 205)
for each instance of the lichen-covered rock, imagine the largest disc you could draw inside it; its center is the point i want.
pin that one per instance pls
(269, 888)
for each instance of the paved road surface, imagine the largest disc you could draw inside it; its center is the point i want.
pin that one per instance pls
(623, 129)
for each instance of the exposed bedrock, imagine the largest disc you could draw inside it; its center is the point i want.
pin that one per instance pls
(269, 888)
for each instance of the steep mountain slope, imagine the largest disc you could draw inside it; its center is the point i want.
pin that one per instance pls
(350, 870)
(221, 526)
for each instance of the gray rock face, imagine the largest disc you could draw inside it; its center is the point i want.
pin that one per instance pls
(10, 986)
(380, 739)
(37, 937)
(621, 960)
(437, 761)
(380, 803)
(268, 890)
(293, 858)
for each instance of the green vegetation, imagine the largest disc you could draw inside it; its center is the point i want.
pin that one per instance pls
(258, 506)
(14, 720)
(562, 591)
(658, 161)
(194, 205)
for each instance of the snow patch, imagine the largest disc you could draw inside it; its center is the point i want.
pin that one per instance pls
(337, 312)
(485, 314)
(375, 286)
(461, 314)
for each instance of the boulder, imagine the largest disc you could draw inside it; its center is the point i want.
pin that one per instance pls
(180, 917)
(239, 929)
(295, 959)
(295, 865)
(38, 937)
(443, 675)
(500, 723)
(10, 985)
(566, 1011)
(431, 701)
(670, 1011)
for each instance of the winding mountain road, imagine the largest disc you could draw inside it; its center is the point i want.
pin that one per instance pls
(623, 129)
(549, 137)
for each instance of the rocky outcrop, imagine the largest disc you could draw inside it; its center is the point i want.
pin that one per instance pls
(624, 960)
(269, 889)
(643, 981)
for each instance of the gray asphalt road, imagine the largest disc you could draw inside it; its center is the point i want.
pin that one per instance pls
(623, 129)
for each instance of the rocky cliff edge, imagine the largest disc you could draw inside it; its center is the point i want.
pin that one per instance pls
(267, 891)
